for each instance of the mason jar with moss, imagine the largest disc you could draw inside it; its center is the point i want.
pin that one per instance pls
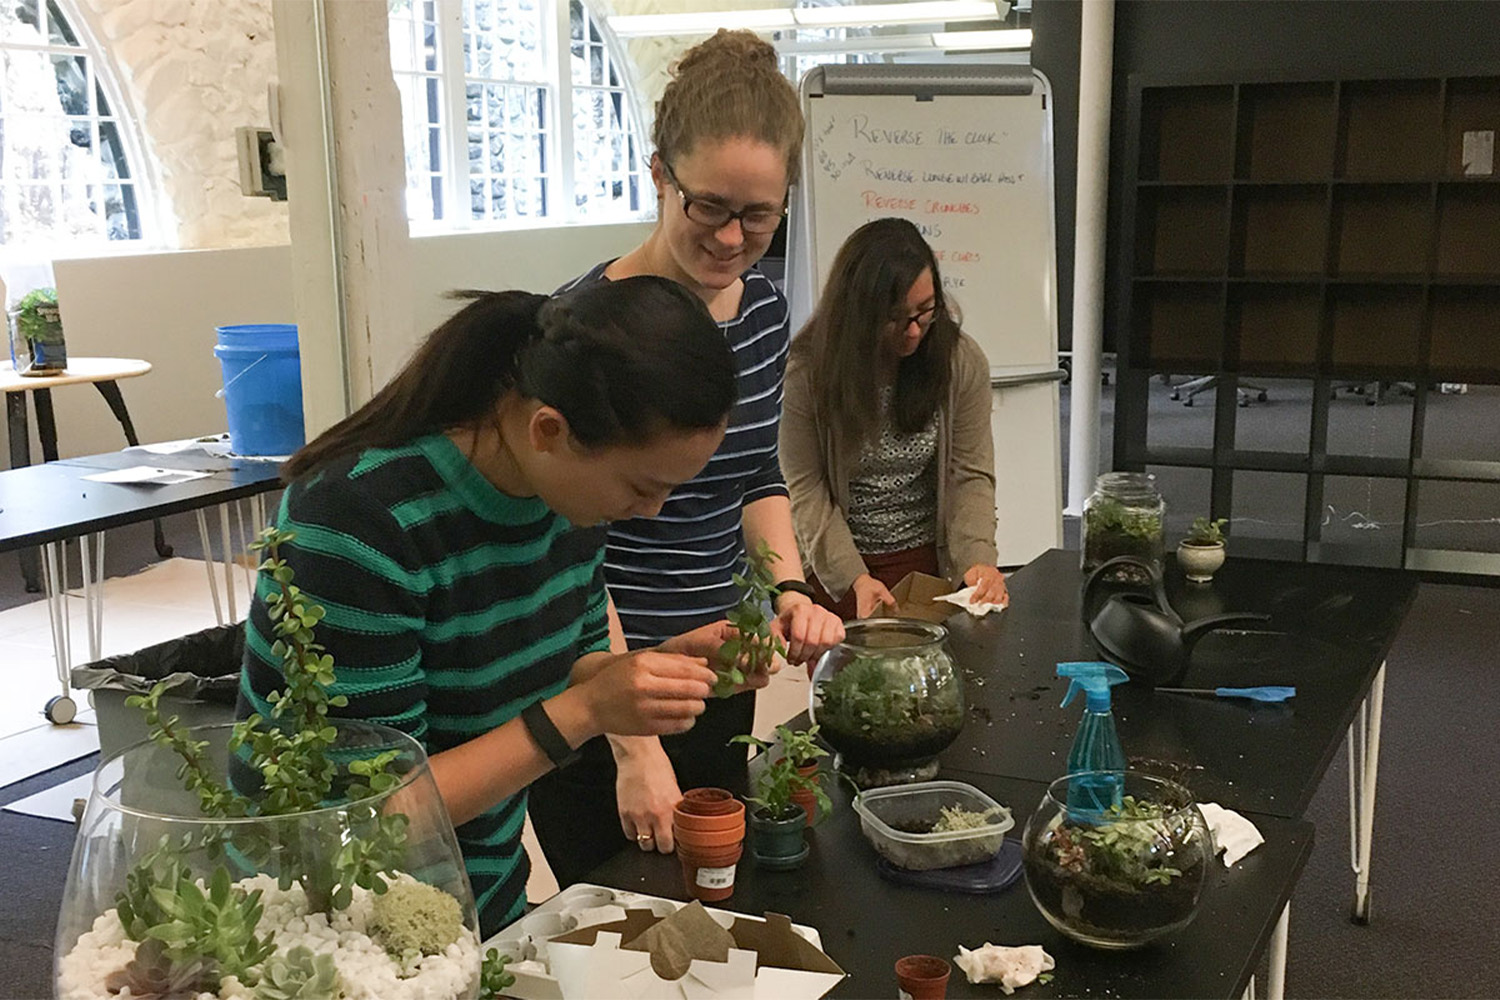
(1123, 517)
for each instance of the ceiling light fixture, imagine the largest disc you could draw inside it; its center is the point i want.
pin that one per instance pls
(787, 18)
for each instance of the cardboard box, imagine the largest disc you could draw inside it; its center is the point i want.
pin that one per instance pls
(646, 957)
(914, 598)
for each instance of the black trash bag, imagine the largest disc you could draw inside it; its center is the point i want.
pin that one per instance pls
(202, 672)
(204, 666)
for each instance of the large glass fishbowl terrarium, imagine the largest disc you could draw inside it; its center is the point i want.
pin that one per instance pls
(364, 896)
(889, 699)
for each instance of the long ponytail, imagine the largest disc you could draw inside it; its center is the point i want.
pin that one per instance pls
(621, 360)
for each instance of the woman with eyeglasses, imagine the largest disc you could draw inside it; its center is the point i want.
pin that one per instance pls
(728, 137)
(886, 439)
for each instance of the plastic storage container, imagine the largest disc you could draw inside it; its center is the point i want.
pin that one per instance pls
(889, 818)
(262, 387)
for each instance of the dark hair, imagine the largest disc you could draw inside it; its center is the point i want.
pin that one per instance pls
(729, 85)
(842, 341)
(621, 360)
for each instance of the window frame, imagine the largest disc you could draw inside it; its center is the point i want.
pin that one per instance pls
(142, 177)
(559, 151)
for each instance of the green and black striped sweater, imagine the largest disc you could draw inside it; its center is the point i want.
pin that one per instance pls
(451, 607)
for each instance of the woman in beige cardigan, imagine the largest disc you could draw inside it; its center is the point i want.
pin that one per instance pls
(885, 430)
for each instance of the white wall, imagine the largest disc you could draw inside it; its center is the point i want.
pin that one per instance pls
(163, 307)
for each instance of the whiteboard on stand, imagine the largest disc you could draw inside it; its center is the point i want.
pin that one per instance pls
(965, 153)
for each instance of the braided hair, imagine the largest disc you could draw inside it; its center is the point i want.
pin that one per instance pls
(621, 360)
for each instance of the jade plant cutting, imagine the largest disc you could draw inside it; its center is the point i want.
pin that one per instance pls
(309, 876)
(754, 645)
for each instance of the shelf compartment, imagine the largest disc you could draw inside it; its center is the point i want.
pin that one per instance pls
(1383, 229)
(1468, 240)
(1187, 133)
(1473, 106)
(1374, 424)
(1277, 326)
(1363, 521)
(1279, 428)
(1188, 493)
(1286, 132)
(1268, 514)
(1392, 130)
(1180, 325)
(1375, 327)
(1281, 230)
(1183, 232)
(1465, 327)
(1453, 516)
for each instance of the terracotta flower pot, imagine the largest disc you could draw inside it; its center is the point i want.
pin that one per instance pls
(923, 977)
(709, 826)
(805, 797)
(708, 873)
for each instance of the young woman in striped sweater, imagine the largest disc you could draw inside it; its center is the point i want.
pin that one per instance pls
(728, 137)
(439, 527)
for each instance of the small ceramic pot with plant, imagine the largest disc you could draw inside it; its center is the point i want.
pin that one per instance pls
(778, 823)
(1201, 553)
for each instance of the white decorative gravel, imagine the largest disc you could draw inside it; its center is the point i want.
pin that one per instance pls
(366, 971)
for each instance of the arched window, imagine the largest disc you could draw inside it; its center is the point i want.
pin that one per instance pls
(483, 85)
(65, 158)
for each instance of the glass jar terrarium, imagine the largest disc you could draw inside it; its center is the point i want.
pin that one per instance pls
(361, 898)
(889, 699)
(1123, 517)
(1115, 859)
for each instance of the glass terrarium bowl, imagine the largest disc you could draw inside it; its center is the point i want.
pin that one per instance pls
(143, 837)
(1116, 873)
(889, 699)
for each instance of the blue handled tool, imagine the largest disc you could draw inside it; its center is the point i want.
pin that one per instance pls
(1269, 693)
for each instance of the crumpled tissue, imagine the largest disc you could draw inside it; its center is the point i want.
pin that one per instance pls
(965, 599)
(1010, 967)
(1233, 834)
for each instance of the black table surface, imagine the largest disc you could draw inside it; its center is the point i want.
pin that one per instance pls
(52, 502)
(866, 923)
(1329, 632)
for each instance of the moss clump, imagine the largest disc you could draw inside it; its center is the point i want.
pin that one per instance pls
(414, 916)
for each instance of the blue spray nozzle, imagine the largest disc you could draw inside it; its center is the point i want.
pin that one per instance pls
(1095, 680)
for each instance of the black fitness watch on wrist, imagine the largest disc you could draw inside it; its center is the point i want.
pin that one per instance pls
(793, 586)
(539, 724)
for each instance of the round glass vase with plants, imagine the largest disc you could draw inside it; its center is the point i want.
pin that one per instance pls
(778, 823)
(1201, 553)
(1116, 859)
(1123, 517)
(888, 699)
(295, 855)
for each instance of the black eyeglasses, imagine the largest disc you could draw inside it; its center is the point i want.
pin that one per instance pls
(923, 319)
(755, 220)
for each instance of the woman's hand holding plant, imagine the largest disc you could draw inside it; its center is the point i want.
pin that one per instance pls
(808, 629)
(648, 693)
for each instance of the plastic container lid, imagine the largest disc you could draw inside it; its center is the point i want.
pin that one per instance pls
(883, 811)
(995, 875)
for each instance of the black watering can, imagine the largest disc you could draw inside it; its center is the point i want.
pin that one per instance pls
(1141, 633)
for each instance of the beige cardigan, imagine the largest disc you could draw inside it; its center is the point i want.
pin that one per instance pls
(817, 475)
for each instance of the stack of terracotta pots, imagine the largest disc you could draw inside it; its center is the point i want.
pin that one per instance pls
(709, 826)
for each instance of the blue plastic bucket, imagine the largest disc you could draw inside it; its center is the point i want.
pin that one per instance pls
(262, 387)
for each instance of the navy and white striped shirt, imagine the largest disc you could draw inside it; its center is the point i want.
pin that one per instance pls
(673, 572)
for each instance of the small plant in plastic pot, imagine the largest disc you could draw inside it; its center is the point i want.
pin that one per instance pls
(778, 822)
(287, 857)
(1116, 859)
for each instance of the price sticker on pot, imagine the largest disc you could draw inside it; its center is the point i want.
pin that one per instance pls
(715, 878)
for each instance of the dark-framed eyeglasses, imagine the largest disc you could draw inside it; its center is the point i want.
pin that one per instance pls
(923, 319)
(757, 220)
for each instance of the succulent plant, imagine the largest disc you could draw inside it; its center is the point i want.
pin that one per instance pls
(217, 924)
(492, 975)
(298, 975)
(415, 916)
(154, 974)
(755, 645)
